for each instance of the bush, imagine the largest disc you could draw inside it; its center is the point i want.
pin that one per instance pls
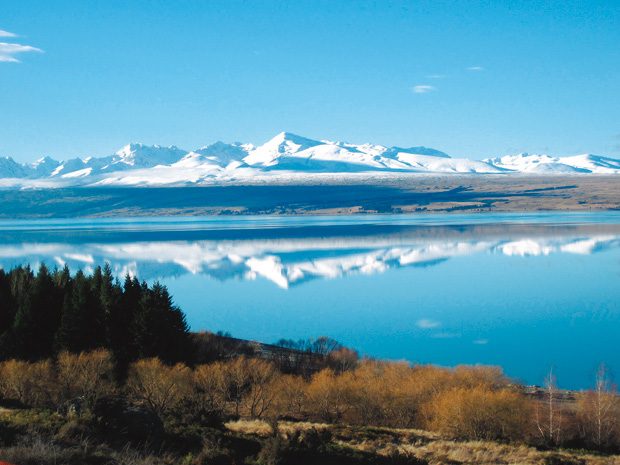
(158, 386)
(479, 413)
(88, 375)
(32, 384)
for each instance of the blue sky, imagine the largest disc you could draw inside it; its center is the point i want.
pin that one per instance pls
(474, 79)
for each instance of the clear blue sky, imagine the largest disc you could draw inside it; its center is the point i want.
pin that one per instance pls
(545, 77)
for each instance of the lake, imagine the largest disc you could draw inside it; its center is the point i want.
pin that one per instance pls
(526, 292)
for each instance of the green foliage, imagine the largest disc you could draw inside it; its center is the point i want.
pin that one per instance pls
(52, 311)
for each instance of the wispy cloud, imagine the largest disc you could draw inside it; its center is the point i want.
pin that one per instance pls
(475, 68)
(436, 76)
(481, 342)
(426, 323)
(423, 89)
(9, 50)
(7, 34)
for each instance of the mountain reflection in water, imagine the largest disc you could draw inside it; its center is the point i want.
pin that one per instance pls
(525, 292)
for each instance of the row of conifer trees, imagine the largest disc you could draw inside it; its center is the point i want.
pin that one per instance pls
(45, 313)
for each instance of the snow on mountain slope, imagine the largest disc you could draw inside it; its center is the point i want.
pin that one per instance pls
(436, 164)
(533, 163)
(145, 156)
(593, 163)
(282, 145)
(131, 156)
(285, 157)
(226, 153)
(290, 152)
(43, 167)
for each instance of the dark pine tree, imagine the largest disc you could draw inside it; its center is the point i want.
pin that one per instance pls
(95, 312)
(7, 303)
(37, 318)
(160, 327)
(74, 333)
(20, 282)
(7, 315)
(122, 326)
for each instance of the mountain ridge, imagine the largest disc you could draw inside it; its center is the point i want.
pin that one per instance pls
(284, 154)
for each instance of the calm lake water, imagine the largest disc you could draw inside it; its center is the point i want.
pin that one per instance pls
(526, 292)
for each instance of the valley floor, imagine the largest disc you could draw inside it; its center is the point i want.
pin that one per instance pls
(343, 195)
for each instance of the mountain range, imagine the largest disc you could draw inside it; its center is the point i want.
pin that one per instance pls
(286, 157)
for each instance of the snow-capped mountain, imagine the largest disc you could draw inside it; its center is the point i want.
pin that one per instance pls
(533, 163)
(286, 156)
(132, 156)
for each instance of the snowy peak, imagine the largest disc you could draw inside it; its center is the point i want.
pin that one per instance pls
(43, 167)
(283, 144)
(286, 142)
(285, 157)
(146, 156)
(222, 153)
(546, 164)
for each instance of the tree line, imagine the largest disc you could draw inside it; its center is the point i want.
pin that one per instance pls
(44, 314)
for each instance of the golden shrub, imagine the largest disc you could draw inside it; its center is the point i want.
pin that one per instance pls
(330, 396)
(479, 413)
(160, 387)
(32, 384)
(89, 375)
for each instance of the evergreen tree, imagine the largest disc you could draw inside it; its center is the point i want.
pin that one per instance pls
(50, 312)
(7, 304)
(37, 317)
(122, 325)
(20, 283)
(7, 316)
(74, 331)
(161, 329)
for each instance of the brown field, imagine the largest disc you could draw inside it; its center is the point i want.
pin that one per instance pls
(337, 196)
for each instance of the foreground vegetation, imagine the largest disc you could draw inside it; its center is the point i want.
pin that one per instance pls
(209, 399)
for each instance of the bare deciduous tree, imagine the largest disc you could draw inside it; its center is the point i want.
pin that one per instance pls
(598, 412)
(548, 414)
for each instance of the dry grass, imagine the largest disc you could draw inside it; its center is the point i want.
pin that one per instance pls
(428, 446)
(263, 429)
(288, 428)
(252, 427)
(490, 453)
